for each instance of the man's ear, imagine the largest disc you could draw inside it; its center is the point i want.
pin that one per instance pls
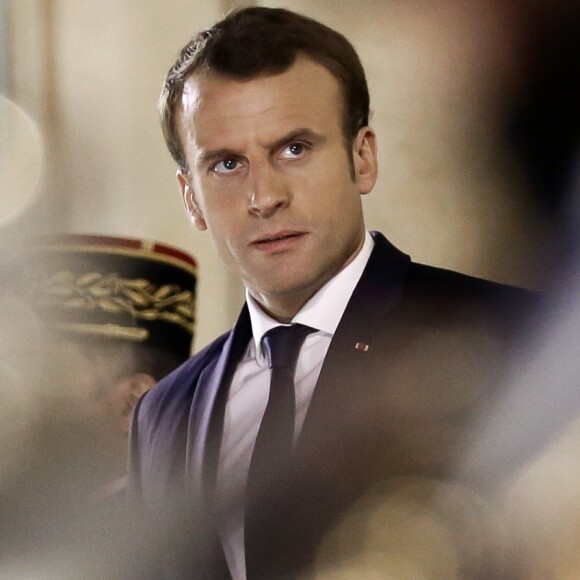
(135, 386)
(124, 396)
(191, 205)
(364, 155)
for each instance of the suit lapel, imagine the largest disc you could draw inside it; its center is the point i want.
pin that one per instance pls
(355, 346)
(208, 409)
(205, 431)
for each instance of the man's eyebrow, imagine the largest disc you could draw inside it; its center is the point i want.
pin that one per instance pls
(205, 156)
(302, 134)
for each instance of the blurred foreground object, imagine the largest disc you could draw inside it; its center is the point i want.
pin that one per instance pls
(525, 448)
(21, 156)
(92, 323)
(413, 527)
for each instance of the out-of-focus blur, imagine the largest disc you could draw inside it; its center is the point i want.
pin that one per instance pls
(91, 323)
(56, 453)
(477, 114)
(20, 160)
(418, 528)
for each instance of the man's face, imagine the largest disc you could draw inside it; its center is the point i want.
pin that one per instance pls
(270, 176)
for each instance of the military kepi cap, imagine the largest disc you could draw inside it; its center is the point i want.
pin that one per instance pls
(114, 288)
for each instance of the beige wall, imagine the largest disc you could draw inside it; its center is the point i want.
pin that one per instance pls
(90, 71)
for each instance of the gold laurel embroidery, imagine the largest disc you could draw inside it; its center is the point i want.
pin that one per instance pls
(114, 294)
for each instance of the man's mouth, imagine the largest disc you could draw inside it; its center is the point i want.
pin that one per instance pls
(277, 239)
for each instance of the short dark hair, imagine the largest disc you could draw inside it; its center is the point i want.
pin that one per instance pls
(257, 41)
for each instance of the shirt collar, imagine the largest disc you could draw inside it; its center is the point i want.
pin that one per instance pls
(325, 309)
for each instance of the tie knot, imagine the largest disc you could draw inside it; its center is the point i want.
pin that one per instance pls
(283, 344)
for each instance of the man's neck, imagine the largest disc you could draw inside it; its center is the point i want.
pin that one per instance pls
(284, 307)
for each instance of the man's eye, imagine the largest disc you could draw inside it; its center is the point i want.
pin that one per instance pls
(225, 166)
(293, 150)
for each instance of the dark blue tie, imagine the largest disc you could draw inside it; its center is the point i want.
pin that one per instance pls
(276, 433)
(273, 448)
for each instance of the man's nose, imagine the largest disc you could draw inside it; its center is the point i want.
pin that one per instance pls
(269, 191)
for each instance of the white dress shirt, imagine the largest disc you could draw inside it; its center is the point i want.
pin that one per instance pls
(249, 391)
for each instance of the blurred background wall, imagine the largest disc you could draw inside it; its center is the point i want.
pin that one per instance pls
(442, 75)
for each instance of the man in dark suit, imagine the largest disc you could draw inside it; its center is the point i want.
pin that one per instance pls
(266, 114)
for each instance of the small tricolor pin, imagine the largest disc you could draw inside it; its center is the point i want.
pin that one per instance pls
(362, 346)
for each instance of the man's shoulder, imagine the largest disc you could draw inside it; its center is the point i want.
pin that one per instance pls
(437, 280)
(181, 383)
(448, 291)
(159, 431)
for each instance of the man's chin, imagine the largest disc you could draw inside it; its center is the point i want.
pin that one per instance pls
(287, 291)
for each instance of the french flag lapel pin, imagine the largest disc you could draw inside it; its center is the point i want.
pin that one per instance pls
(361, 346)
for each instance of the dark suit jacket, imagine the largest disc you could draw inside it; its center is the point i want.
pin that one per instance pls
(436, 341)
